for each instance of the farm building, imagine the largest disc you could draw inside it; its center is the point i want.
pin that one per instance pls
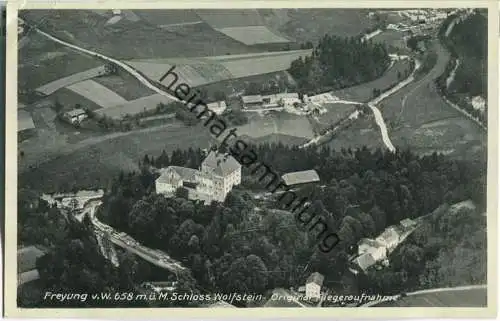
(300, 178)
(375, 248)
(253, 101)
(284, 99)
(217, 107)
(313, 285)
(363, 262)
(389, 238)
(407, 223)
(75, 116)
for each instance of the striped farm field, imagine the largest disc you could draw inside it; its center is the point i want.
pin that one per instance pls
(206, 70)
(253, 35)
(223, 18)
(97, 93)
(53, 86)
(243, 25)
(134, 106)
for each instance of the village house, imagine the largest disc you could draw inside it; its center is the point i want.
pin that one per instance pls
(313, 285)
(217, 107)
(300, 178)
(213, 181)
(373, 247)
(252, 101)
(389, 238)
(75, 116)
(407, 223)
(363, 263)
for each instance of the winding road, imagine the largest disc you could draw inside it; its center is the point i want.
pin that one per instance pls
(123, 65)
(155, 257)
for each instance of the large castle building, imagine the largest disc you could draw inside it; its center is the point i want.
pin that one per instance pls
(212, 182)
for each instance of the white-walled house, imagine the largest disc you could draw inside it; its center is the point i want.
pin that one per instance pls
(389, 238)
(376, 249)
(215, 179)
(313, 285)
(75, 116)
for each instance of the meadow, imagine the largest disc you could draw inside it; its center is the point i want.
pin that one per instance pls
(88, 29)
(95, 165)
(205, 70)
(42, 61)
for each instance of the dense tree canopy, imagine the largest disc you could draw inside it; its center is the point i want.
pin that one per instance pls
(339, 62)
(250, 244)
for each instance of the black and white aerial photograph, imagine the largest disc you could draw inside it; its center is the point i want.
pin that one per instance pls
(252, 158)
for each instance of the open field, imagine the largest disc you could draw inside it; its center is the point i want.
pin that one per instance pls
(253, 35)
(134, 106)
(24, 120)
(124, 85)
(219, 18)
(392, 38)
(162, 18)
(69, 99)
(279, 138)
(205, 70)
(362, 132)
(417, 116)
(364, 92)
(131, 40)
(312, 24)
(97, 93)
(42, 61)
(95, 164)
(276, 123)
(55, 85)
(335, 113)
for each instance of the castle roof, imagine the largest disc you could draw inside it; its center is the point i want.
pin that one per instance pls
(222, 164)
(182, 173)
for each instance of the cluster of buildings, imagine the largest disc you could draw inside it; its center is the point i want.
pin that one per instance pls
(374, 251)
(212, 182)
(282, 100)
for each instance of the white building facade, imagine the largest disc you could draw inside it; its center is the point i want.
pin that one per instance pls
(218, 174)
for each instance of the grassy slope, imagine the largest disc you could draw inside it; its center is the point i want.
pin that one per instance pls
(131, 40)
(312, 24)
(42, 61)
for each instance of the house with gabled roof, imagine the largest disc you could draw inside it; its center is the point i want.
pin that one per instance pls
(313, 285)
(218, 174)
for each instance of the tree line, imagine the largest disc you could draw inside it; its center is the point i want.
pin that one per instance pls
(339, 62)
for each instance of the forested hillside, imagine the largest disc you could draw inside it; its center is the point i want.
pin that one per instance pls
(468, 44)
(449, 249)
(236, 245)
(339, 62)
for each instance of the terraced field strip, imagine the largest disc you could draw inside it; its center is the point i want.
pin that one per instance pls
(97, 93)
(253, 35)
(53, 86)
(134, 106)
(24, 120)
(223, 18)
(206, 70)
